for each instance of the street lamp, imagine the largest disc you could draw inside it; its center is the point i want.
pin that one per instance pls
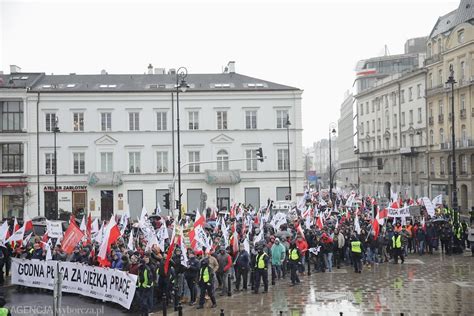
(451, 81)
(55, 164)
(332, 131)
(181, 84)
(288, 197)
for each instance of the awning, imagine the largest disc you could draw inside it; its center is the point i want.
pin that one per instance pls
(12, 184)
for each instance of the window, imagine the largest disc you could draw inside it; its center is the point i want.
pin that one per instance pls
(442, 166)
(462, 102)
(373, 106)
(410, 93)
(367, 107)
(193, 117)
(194, 156)
(377, 102)
(440, 107)
(78, 121)
(462, 71)
(463, 134)
(431, 137)
(221, 119)
(50, 121)
(12, 158)
(387, 120)
(282, 155)
(410, 116)
(106, 162)
(395, 141)
(134, 121)
(106, 121)
(404, 141)
(402, 96)
(222, 160)
(432, 166)
(379, 144)
(79, 163)
(395, 120)
(461, 36)
(429, 50)
(49, 164)
(394, 98)
(134, 162)
(251, 164)
(373, 126)
(430, 80)
(463, 159)
(441, 136)
(282, 118)
(362, 109)
(440, 77)
(418, 91)
(439, 45)
(362, 128)
(420, 138)
(368, 127)
(419, 115)
(162, 161)
(161, 121)
(250, 119)
(12, 116)
(379, 124)
(412, 140)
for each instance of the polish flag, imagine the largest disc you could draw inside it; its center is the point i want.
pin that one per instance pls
(4, 231)
(28, 223)
(112, 233)
(382, 214)
(299, 229)
(170, 251)
(394, 205)
(232, 211)
(16, 226)
(319, 222)
(89, 228)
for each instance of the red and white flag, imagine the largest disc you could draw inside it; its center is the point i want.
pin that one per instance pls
(112, 233)
(170, 251)
(28, 223)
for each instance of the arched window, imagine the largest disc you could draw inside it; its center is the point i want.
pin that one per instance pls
(222, 160)
(463, 159)
(441, 136)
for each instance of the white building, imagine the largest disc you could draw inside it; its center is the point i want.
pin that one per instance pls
(115, 148)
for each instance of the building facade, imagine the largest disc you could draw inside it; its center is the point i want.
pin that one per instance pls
(321, 159)
(117, 145)
(451, 43)
(348, 179)
(391, 123)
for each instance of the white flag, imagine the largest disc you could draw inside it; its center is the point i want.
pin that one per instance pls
(130, 244)
(158, 208)
(356, 224)
(247, 244)
(143, 215)
(154, 241)
(438, 200)
(184, 259)
(27, 240)
(225, 234)
(258, 238)
(3, 231)
(95, 226)
(18, 235)
(83, 224)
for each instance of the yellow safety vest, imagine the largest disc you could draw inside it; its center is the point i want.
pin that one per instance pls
(261, 262)
(145, 283)
(205, 274)
(397, 242)
(355, 247)
(294, 254)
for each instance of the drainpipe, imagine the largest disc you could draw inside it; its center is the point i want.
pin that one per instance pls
(37, 154)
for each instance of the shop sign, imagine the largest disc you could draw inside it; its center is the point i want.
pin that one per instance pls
(50, 188)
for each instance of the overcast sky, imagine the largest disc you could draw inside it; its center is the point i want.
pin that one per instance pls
(313, 45)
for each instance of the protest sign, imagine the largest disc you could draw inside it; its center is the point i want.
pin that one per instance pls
(100, 283)
(429, 206)
(54, 229)
(399, 212)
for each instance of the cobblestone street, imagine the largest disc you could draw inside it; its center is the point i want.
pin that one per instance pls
(427, 285)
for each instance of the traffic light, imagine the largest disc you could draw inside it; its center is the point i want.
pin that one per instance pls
(260, 154)
(166, 201)
(379, 164)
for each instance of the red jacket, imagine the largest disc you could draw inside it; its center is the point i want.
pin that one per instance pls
(302, 246)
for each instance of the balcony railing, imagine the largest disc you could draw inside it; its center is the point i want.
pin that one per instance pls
(444, 146)
(465, 143)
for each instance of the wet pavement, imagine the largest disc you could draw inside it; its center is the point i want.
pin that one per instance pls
(423, 285)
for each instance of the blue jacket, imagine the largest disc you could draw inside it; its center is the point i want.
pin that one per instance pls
(243, 260)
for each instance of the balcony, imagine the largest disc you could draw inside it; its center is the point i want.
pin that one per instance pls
(465, 143)
(431, 120)
(441, 118)
(433, 59)
(462, 114)
(444, 146)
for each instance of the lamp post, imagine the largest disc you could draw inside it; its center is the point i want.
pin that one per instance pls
(451, 81)
(332, 131)
(288, 141)
(181, 84)
(55, 164)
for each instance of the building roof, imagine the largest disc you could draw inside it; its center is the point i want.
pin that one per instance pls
(21, 80)
(447, 22)
(154, 82)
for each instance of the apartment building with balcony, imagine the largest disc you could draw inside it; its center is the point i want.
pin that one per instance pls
(451, 43)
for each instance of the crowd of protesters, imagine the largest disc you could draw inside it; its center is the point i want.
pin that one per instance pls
(334, 236)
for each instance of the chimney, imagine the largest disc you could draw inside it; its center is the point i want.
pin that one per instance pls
(160, 71)
(231, 67)
(103, 72)
(150, 69)
(14, 69)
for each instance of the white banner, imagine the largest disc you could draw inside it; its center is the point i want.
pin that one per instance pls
(399, 212)
(54, 229)
(100, 283)
(429, 206)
